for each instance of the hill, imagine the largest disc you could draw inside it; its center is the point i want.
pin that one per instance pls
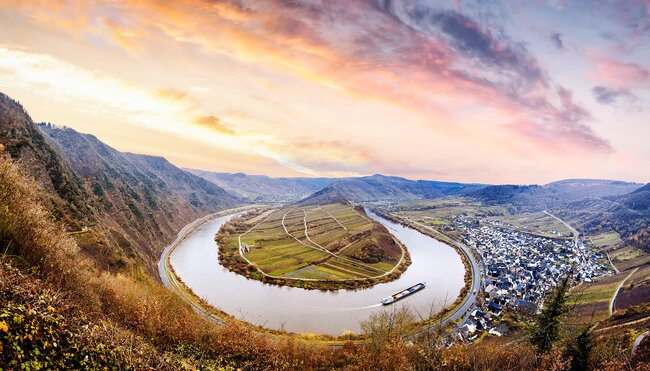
(377, 187)
(552, 195)
(121, 207)
(22, 140)
(577, 189)
(261, 188)
(328, 244)
(324, 196)
(389, 188)
(631, 217)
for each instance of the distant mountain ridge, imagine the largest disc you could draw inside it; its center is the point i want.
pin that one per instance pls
(552, 195)
(390, 188)
(261, 188)
(377, 187)
(593, 206)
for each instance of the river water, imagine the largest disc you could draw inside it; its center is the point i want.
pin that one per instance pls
(196, 262)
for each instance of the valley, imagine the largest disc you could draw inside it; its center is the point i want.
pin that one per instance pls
(93, 222)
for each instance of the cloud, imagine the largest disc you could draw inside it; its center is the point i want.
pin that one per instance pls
(215, 124)
(605, 95)
(440, 64)
(468, 39)
(620, 75)
(167, 110)
(556, 39)
(172, 94)
(562, 129)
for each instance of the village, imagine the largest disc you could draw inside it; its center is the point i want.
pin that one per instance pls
(518, 270)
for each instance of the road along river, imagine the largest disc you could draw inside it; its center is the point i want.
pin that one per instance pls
(195, 261)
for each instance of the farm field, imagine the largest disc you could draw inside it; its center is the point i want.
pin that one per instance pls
(318, 242)
(594, 297)
(443, 211)
(623, 256)
(636, 290)
(536, 223)
(628, 257)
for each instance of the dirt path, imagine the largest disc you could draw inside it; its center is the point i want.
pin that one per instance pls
(638, 341)
(341, 257)
(333, 217)
(613, 301)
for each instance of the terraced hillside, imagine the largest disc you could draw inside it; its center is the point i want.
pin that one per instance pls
(306, 245)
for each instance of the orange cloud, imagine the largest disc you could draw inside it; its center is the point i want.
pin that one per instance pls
(215, 124)
(172, 94)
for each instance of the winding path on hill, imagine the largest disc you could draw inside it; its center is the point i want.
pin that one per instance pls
(574, 232)
(612, 302)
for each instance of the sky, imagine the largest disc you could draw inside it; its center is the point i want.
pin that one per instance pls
(473, 91)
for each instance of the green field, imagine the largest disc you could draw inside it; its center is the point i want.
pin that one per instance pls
(443, 211)
(440, 213)
(317, 242)
(605, 240)
(623, 256)
(536, 223)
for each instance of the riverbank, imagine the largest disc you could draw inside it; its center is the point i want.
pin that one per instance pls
(282, 253)
(220, 308)
(472, 277)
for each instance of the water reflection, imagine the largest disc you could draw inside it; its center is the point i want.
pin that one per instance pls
(196, 262)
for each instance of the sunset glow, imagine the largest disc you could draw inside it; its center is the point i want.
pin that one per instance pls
(528, 92)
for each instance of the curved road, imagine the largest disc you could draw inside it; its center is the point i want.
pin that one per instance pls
(612, 302)
(464, 309)
(164, 268)
(638, 341)
(169, 280)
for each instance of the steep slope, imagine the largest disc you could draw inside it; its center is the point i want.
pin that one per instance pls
(121, 207)
(145, 196)
(389, 188)
(22, 140)
(638, 200)
(628, 215)
(552, 195)
(261, 188)
(633, 217)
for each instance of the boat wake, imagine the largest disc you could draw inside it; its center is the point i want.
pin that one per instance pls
(342, 309)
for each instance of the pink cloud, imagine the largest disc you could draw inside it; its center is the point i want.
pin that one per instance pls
(620, 75)
(432, 61)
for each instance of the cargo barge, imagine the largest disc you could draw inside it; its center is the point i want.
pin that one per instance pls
(402, 294)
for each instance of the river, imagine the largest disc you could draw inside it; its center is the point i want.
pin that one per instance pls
(195, 261)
